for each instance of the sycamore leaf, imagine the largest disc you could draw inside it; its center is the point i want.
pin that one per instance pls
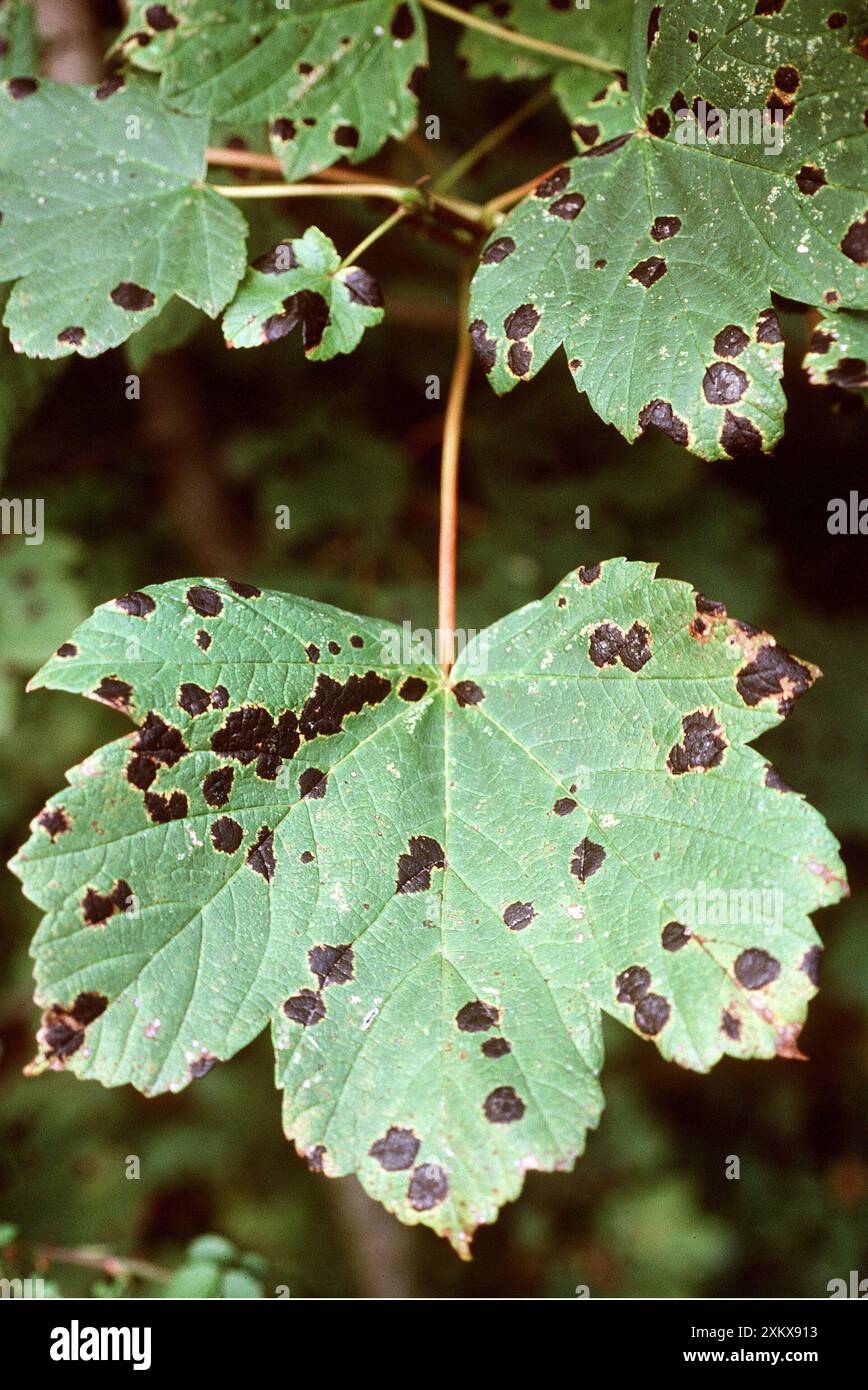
(303, 282)
(838, 351)
(334, 78)
(105, 215)
(651, 258)
(599, 30)
(432, 889)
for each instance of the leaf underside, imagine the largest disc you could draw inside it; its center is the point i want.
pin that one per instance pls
(651, 256)
(431, 891)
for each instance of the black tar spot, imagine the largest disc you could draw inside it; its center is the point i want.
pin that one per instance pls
(114, 692)
(811, 964)
(217, 786)
(396, 1150)
(660, 414)
(429, 1186)
(587, 858)
(649, 271)
(730, 341)
(226, 835)
(136, 604)
(54, 821)
(564, 806)
(755, 968)
(204, 601)
(498, 250)
(632, 984)
(468, 693)
(724, 384)
(495, 1047)
(731, 1025)
(414, 868)
(674, 936)
(312, 784)
(765, 677)
(306, 1008)
(132, 297)
(413, 688)
(163, 809)
(651, 1014)
(261, 856)
(503, 1106)
(332, 965)
(702, 745)
(739, 435)
(477, 1017)
(662, 228)
(518, 916)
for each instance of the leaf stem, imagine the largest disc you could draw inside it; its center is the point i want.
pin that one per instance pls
(395, 193)
(490, 141)
(497, 31)
(515, 195)
(386, 226)
(449, 490)
(115, 1266)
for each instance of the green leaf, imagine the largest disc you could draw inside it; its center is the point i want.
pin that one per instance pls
(432, 889)
(105, 215)
(334, 78)
(838, 351)
(651, 258)
(600, 30)
(303, 282)
(19, 50)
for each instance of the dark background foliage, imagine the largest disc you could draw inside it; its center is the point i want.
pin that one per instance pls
(186, 481)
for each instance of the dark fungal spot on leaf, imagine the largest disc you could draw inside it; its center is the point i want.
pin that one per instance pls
(261, 857)
(764, 7)
(604, 645)
(312, 652)
(226, 835)
(414, 81)
(62, 1030)
(477, 1017)
(711, 606)
(702, 745)
(568, 207)
(484, 346)
(306, 857)
(787, 79)
(55, 821)
(201, 1065)
(414, 867)
(324, 712)
(193, 699)
(768, 327)
(468, 693)
(521, 321)
(755, 968)
(724, 384)
(134, 298)
(503, 1106)
(674, 936)
(588, 134)
(306, 307)
(773, 673)
(651, 1014)
(306, 1008)
(692, 36)
(74, 336)
(636, 647)
(498, 250)
(205, 601)
(774, 780)
(403, 24)
(662, 228)
(219, 697)
(855, 243)
(776, 103)
(587, 858)
(564, 806)
(658, 123)
(678, 103)
(632, 984)
(554, 184)
(661, 416)
(217, 786)
(429, 1186)
(332, 965)
(314, 1157)
(334, 648)
(159, 18)
(396, 1150)
(811, 964)
(730, 341)
(363, 288)
(97, 908)
(495, 1047)
(519, 358)
(739, 435)
(283, 128)
(136, 604)
(412, 689)
(518, 916)
(66, 650)
(809, 179)
(850, 372)
(312, 784)
(244, 590)
(731, 1025)
(607, 147)
(649, 271)
(20, 87)
(653, 24)
(109, 87)
(156, 745)
(251, 733)
(163, 809)
(837, 19)
(116, 693)
(356, 641)
(346, 136)
(589, 574)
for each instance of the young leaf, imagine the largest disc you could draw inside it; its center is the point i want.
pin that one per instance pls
(838, 351)
(601, 31)
(302, 282)
(651, 257)
(433, 888)
(105, 215)
(334, 78)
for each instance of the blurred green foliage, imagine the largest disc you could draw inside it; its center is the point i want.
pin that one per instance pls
(188, 478)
